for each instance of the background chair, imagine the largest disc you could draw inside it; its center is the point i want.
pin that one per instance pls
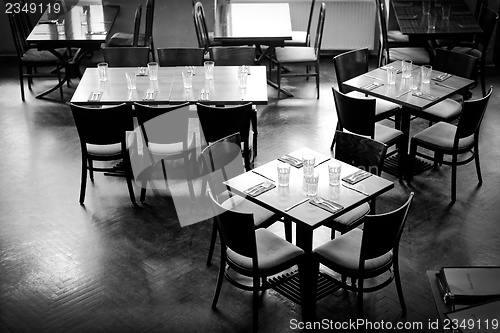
(126, 38)
(31, 58)
(399, 50)
(368, 253)
(171, 57)
(358, 116)
(221, 161)
(165, 133)
(253, 253)
(233, 55)
(219, 122)
(126, 56)
(103, 137)
(447, 139)
(302, 38)
(354, 63)
(205, 40)
(366, 154)
(307, 56)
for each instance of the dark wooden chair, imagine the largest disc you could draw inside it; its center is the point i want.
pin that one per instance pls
(170, 57)
(124, 56)
(448, 139)
(368, 253)
(255, 253)
(165, 134)
(128, 39)
(233, 55)
(205, 40)
(104, 137)
(302, 38)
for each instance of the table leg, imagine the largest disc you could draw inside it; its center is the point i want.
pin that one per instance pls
(268, 53)
(308, 273)
(59, 85)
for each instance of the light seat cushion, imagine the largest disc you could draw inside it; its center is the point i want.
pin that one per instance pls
(446, 110)
(442, 135)
(346, 220)
(34, 55)
(386, 134)
(417, 54)
(397, 36)
(295, 54)
(298, 38)
(272, 251)
(468, 50)
(381, 106)
(111, 149)
(240, 204)
(344, 252)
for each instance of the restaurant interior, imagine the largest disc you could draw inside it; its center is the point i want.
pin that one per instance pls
(106, 264)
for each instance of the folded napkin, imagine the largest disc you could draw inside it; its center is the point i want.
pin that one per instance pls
(293, 161)
(259, 188)
(357, 177)
(424, 96)
(442, 77)
(371, 86)
(325, 204)
(149, 96)
(95, 96)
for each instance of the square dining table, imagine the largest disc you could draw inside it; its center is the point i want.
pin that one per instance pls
(292, 203)
(400, 93)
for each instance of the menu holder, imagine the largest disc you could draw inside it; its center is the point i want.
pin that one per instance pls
(293, 161)
(325, 204)
(442, 77)
(483, 317)
(95, 96)
(357, 177)
(259, 188)
(469, 284)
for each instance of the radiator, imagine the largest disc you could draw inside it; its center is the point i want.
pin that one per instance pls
(349, 24)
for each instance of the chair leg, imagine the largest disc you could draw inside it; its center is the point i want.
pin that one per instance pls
(483, 84)
(21, 82)
(317, 80)
(399, 288)
(411, 158)
(213, 239)
(220, 278)
(288, 230)
(454, 178)
(128, 176)
(143, 191)
(478, 166)
(91, 169)
(84, 179)
(360, 298)
(334, 136)
(256, 284)
(279, 79)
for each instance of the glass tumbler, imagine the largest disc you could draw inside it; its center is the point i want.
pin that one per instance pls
(283, 174)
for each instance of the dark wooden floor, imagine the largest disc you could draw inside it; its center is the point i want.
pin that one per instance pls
(113, 267)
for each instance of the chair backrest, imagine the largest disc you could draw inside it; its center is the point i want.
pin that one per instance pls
(102, 126)
(471, 117)
(480, 5)
(319, 29)
(137, 25)
(222, 161)
(163, 124)
(236, 229)
(354, 114)
(150, 12)
(456, 63)
(348, 65)
(309, 21)
(200, 25)
(487, 22)
(382, 25)
(180, 56)
(135, 56)
(362, 152)
(18, 33)
(382, 232)
(233, 56)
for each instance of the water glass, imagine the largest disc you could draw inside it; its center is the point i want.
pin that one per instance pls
(84, 17)
(187, 79)
(102, 68)
(308, 161)
(334, 168)
(61, 30)
(406, 67)
(312, 184)
(426, 73)
(414, 82)
(283, 174)
(391, 75)
(446, 11)
(131, 80)
(153, 71)
(426, 7)
(209, 69)
(242, 80)
(431, 21)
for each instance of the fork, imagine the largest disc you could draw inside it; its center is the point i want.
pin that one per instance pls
(265, 185)
(324, 202)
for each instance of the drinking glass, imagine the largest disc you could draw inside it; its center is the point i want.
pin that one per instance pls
(209, 69)
(102, 68)
(406, 67)
(446, 11)
(426, 73)
(312, 184)
(391, 75)
(431, 21)
(308, 161)
(187, 79)
(153, 71)
(283, 174)
(426, 7)
(61, 30)
(242, 80)
(131, 80)
(84, 17)
(334, 168)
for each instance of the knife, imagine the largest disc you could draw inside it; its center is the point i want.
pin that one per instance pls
(296, 204)
(355, 189)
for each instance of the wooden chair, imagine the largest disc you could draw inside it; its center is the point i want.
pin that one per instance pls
(354, 63)
(205, 41)
(307, 56)
(233, 55)
(366, 154)
(128, 39)
(221, 161)
(398, 50)
(165, 133)
(302, 38)
(257, 254)
(104, 137)
(170, 57)
(447, 139)
(31, 58)
(126, 56)
(219, 122)
(368, 253)
(358, 116)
